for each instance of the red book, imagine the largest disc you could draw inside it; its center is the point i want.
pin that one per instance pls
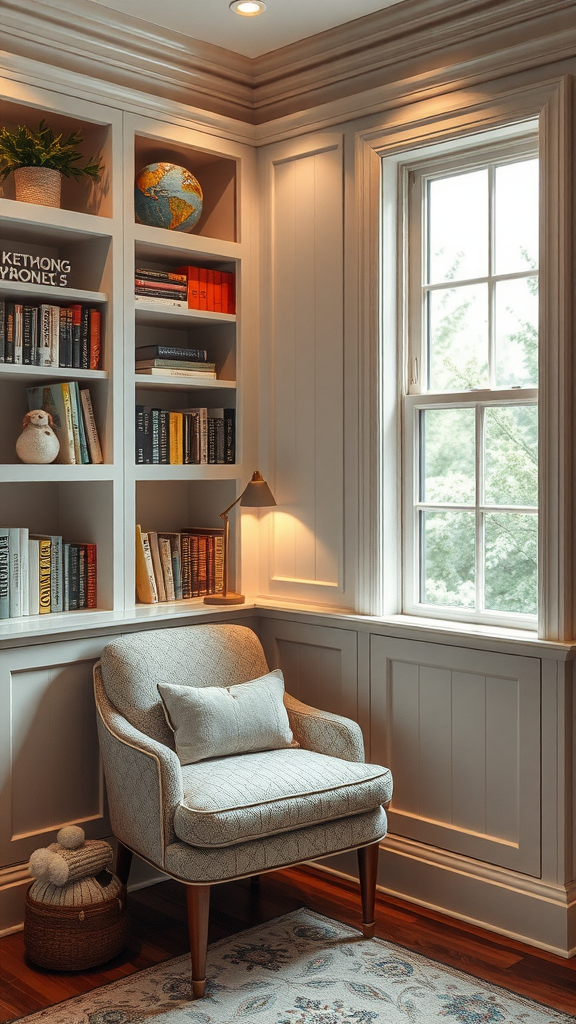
(95, 339)
(162, 286)
(191, 274)
(90, 575)
(217, 291)
(202, 288)
(210, 290)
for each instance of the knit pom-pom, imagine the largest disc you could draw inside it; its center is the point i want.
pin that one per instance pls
(39, 864)
(71, 837)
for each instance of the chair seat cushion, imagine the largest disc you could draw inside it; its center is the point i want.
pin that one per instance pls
(235, 799)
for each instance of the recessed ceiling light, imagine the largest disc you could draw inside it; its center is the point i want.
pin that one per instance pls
(249, 8)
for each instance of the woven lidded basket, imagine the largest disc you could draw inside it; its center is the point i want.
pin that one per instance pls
(74, 938)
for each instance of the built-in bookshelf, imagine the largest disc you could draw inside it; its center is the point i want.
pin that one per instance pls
(95, 236)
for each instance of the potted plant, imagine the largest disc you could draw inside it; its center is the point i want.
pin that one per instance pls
(39, 159)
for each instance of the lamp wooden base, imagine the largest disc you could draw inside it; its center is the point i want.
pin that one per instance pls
(229, 598)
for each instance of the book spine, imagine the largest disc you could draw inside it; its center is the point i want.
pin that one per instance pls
(202, 288)
(202, 567)
(155, 432)
(145, 286)
(9, 342)
(4, 573)
(91, 576)
(34, 328)
(71, 423)
(33, 577)
(160, 275)
(44, 350)
(176, 439)
(166, 371)
(164, 458)
(18, 333)
(139, 454)
(217, 307)
(66, 577)
(76, 336)
(74, 577)
(192, 355)
(79, 422)
(56, 582)
(186, 567)
(27, 336)
(156, 300)
(44, 575)
(15, 584)
(229, 436)
(166, 559)
(211, 441)
(95, 339)
(63, 355)
(24, 570)
(158, 293)
(145, 581)
(82, 576)
(157, 565)
(85, 338)
(193, 288)
(177, 569)
(2, 330)
(210, 290)
(90, 428)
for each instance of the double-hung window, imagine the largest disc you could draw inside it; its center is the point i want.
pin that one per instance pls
(471, 415)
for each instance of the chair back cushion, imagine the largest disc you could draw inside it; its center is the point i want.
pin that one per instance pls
(207, 655)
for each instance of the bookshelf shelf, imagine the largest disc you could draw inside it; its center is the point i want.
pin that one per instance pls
(55, 473)
(161, 245)
(145, 383)
(149, 315)
(11, 371)
(26, 220)
(185, 473)
(19, 291)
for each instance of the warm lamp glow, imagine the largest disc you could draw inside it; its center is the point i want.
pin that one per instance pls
(249, 8)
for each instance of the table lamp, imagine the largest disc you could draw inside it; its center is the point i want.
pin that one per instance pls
(256, 494)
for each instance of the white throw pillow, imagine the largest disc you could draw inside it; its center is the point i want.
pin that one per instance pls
(213, 721)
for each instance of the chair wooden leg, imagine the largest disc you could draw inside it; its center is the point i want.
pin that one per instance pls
(123, 862)
(368, 870)
(198, 902)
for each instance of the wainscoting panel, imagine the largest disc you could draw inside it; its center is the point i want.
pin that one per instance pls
(460, 730)
(319, 663)
(50, 771)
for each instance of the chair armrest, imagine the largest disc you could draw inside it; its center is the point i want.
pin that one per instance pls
(143, 781)
(324, 732)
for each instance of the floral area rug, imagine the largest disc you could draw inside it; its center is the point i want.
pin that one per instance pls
(302, 969)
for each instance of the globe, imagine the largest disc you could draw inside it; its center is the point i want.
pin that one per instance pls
(167, 196)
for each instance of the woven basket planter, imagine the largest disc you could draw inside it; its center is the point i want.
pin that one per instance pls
(40, 185)
(75, 938)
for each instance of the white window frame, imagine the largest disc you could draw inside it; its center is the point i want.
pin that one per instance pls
(384, 142)
(414, 178)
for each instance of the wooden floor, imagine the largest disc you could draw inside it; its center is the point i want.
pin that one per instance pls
(158, 931)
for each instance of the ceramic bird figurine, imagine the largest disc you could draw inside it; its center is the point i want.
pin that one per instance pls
(37, 443)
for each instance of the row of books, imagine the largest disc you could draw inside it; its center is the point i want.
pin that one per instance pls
(187, 287)
(179, 566)
(185, 437)
(50, 335)
(41, 573)
(160, 286)
(172, 360)
(73, 420)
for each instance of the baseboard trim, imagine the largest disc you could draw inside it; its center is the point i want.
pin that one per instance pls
(522, 908)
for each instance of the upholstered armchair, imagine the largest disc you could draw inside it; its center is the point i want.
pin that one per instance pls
(228, 817)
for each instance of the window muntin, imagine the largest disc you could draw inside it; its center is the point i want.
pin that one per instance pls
(471, 412)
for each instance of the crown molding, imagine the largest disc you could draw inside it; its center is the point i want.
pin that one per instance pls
(414, 49)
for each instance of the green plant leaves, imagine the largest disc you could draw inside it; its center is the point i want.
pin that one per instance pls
(26, 148)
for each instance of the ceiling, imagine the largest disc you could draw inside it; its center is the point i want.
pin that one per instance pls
(284, 21)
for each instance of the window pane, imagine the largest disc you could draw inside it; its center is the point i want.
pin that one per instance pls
(516, 310)
(516, 217)
(448, 472)
(458, 338)
(511, 455)
(458, 227)
(511, 576)
(448, 549)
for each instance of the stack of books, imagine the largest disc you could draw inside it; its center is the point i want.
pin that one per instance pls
(40, 573)
(185, 437)
(174, 361)
(160, 286)
(213, 290)
(73, 421)
(179, 566)
(50, 335)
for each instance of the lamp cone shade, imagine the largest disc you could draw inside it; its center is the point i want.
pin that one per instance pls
(256, 494)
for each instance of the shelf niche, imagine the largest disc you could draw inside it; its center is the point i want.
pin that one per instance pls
(217, 177)
(84, 195)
